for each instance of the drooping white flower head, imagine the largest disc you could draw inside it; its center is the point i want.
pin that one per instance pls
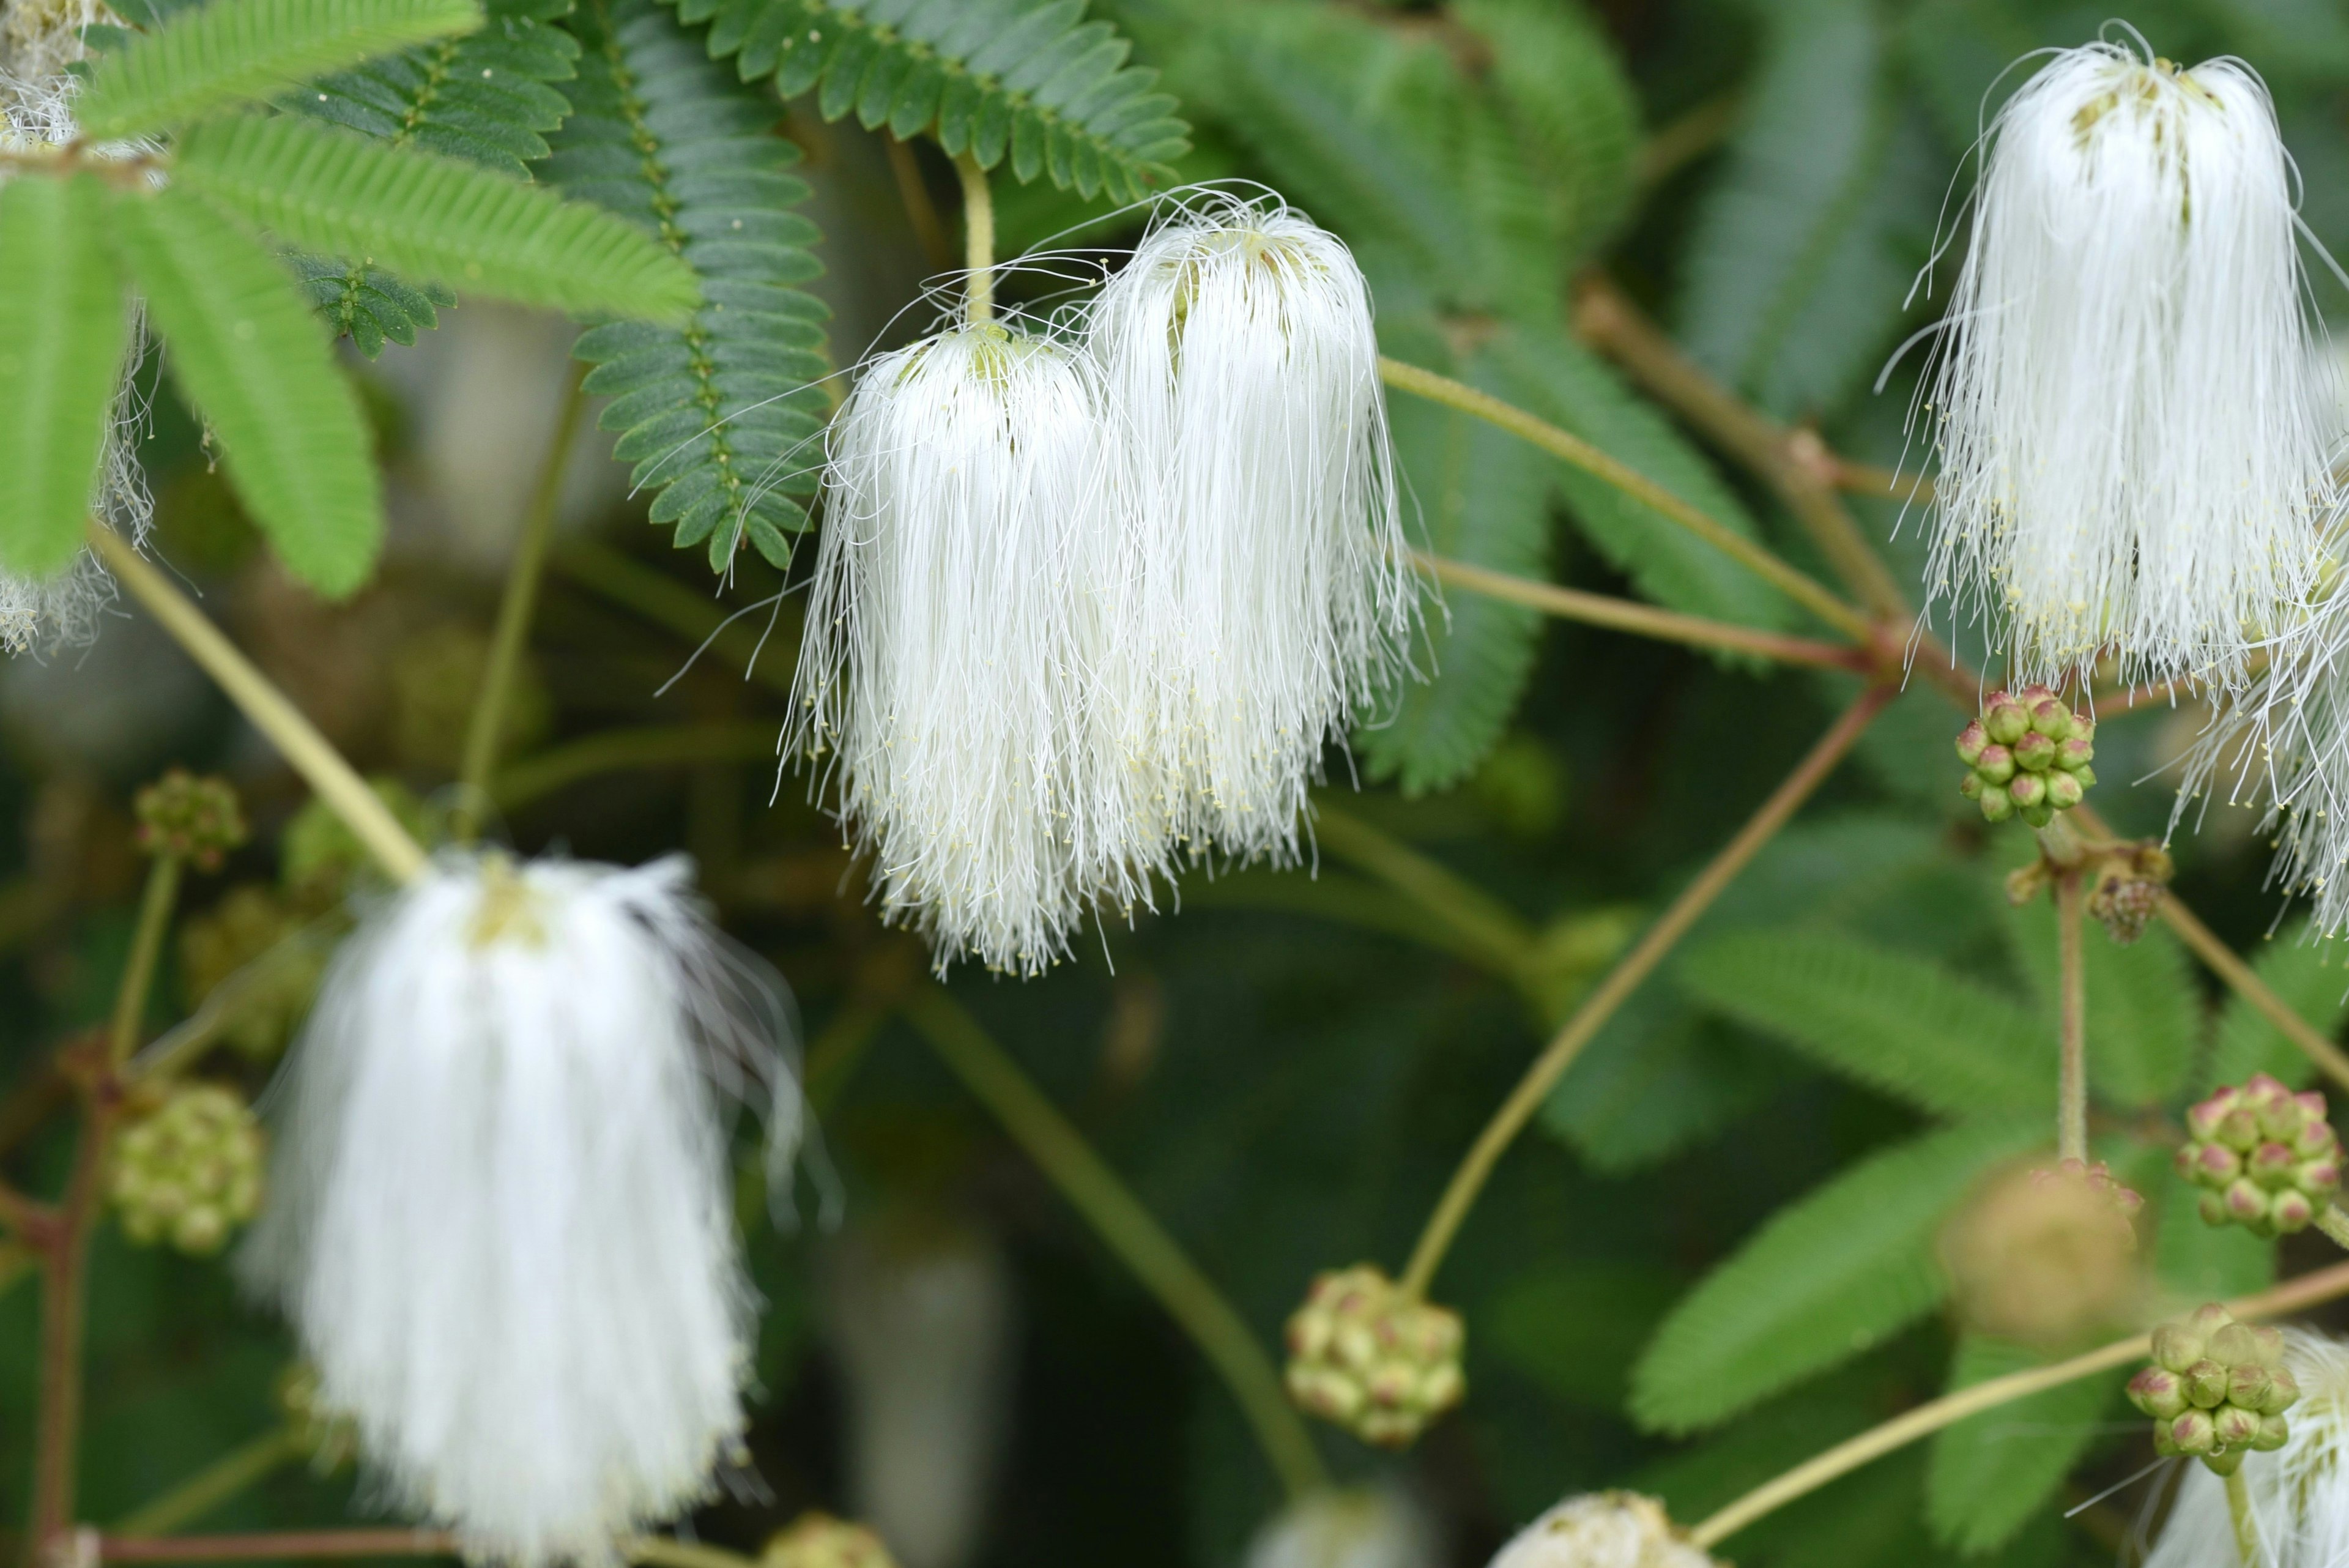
(945, 669)
(2300, 1494)
(2134, 436)
(499, 1217)
(1601, 1530)
(1268, 594)
(1365, 1528)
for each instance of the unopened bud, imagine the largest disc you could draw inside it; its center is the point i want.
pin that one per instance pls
(2247, 1385)
(1997, 806)
(189, 1173)
(1368, 1358)
(1996, 766)
(2159, 1392)
(2074, 754)
(2205, 1384)
(2232, 1424)
(2034, 752)
(189, 818)
(2064, 791)
(2266, 1153)
(1971, 739)
(2028, 790)
(2272, 1434)
(2050, 718)
(2006, 720)
(2193, 1432)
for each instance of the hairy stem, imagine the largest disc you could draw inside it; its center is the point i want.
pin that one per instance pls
(2072, 1063)
(297, 739)
(1130, 1231)
(1756, 558)
(978, 241)
(1624, 978)
(650, 746)
(2335, 1222)
(2247, 1528)
(1640, 621)
(155, 907)
(486, 727)
(242, 1467)
(2308, 1290)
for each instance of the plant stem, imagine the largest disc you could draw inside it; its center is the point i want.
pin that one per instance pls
(1481, 923)
(155, 904)
(225, 1476)
(64, 1288)
(1572, 448)
(2247, 1528)
(2072, 1063)
(2335, 1223)
(2245, 982)
(668, 1552)
(1641, 620)
(666, 602)
(180, 1046)
(650, 745)
(921, 212)
(978, 241)
(1129, 1230)
(486, 727)
(2307, 1290)
(266, 708)
(1624, 978)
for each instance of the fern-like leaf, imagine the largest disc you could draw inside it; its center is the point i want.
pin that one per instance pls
(233, 52)
(1990, 1474)
(1029, 80)
(367, 304)
(1899, 1024)
(1836, 1273)
(1571, 109)
(432, 218)
(248, 354)
(483, 96)
(722, 415)
(2142, 1010)
(62, 331)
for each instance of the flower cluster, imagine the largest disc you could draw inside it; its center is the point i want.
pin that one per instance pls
(2265, 1157)
(1370, 1358)
(1603, 1530)
(2045, 1256)
(2130, 882)
(2027, 754)
(189, 818)
(2217, 1389)
(189, 1173)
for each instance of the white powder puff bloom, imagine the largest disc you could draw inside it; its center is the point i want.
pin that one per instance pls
(2300, 1494)
(1267, 594)
(499, 1215)
(951, 632)
(1371, 1528)
(1602, 1530)
(2134, 434)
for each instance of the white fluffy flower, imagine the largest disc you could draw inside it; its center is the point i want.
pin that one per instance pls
(2134, 435)
(498, 1215)
(945, 671)
(1266, 592)
(1601, 1530)
(2300, 1494)
(1371, 1528)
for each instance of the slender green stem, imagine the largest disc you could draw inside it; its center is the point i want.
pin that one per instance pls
(242, 1467)
(266, 708)
(2072, 1061)
(2294, 1295)
(1129, 1230)
(2246, 1525)
(651, 746)
(663, 600)
(1756, 558)
(487, 726)
(1634, 967)
(155, 906)
(978, 241)
(65, 1284)
(1640, 621)
(2245, 982)
(1479, 922)
(2335, 1223)
(183, 1045)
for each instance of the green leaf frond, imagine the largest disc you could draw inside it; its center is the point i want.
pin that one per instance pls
(723, 415)
(247, 352)
(1991, 1474)
(62, 327)
(233, 52)
(433, 218)
(1027, 80)
(1903, 1025)
(367, 304)
(1829, 1276)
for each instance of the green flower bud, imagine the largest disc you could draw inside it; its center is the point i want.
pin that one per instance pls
(2050, 718)
(1970, 786)
(1971, 739)
(1369, 1358)
(2074, 756)
(2176, 1346)
(1997, 806)
(1996, 766)
(2065, 790)
(2234, 1346)
(2159, 1392)
(2034, 752)
(2247, 1385)
(2193, 1432)
(189, 818)
(2232, 1425)
(2272, 1434)
(2006, 720)
(2029, 790)
(2225, 1461)
(2205, 1384)
(189, 1171)
(2284, 1392)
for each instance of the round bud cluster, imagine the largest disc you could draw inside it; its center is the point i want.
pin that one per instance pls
(2045, 1256)
(2027, 754)
(190, 818)
(2118, 1204)
(817, 1540)
(1370, 1358)
(2217, 1389)
(2128, 888)
(191, 1172)
(2265, 1157)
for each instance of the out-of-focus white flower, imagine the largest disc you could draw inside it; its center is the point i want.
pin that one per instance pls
(1369, 1528)
(920, 1316)
(1265, 594)
(945, 667)
(2134, 435)
(498, 1215)
(1602, 1530)
(2300, 1494)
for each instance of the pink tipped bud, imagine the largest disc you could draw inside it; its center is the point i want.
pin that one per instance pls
(2051, 719)
(2007, 721)
(2074, 754)
(2247, 1385)
(2239, 1127)
(2065, 790)
(2193, 1432)
(2234, 1425)
(2291, 1211)
(2284, 1392)
(2269, 1165)
(2212, 1208)
(2033, 695)
(2178, 1346)
(2158, 1392)
(2034, 752)
(2245, 1201)
(2027, 790)
(2213, 1164)
(1996, 764)
(2318, 1176)
(2205, 1384)
(1997, 806)
(1972, 742)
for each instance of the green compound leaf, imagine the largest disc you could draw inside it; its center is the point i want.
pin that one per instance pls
(367, 304)
(1990, 1474)
(433, 218)
(483, 97)
(722, 415)
(1029, 81)
(1834, 1273)
(62, 331)
(233, 52)
(245, 350)
(1570, 108)
(1899, 1024)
